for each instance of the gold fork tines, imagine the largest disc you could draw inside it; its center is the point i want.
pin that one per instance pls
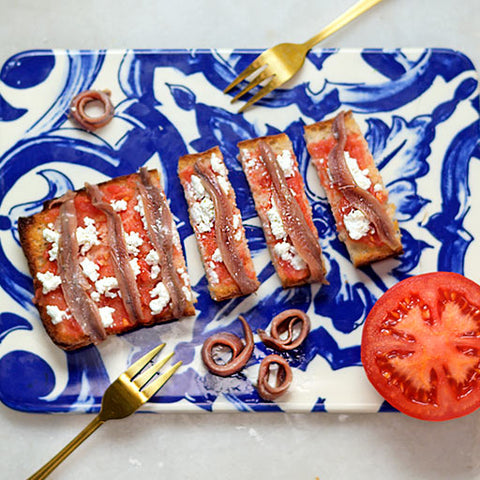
(279, 64)
(124, 396)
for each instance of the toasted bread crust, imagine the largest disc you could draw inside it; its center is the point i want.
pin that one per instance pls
(360, 252)
(278, 143)
(219, 290)
(35, 248)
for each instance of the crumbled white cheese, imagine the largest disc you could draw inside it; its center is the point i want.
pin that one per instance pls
(95, 296)
(377, 187)
(135, 266)
(236, 221)
(56, 315)
(90, 269)
(106, 315)
(152, 257)
(159, 290)
(285, 160)
(297, 261)
(176, 238)
(217, 165)
(51, 236)
(248, 161)
(154, 272)
(53, 252)
(186, 281)
(133, 241)
(224, 185)
(197, 187)
(357, 224)
(139, 207)
(287, 252)
(105, 286)
(157, 305)
(87, 236)
(212, 274)
(119, 205)
(203, 214)
(50, 282)
(217, 256)
(160, 297)
(276, 224)
(183, 273)
(360, 176)
(188, 294)
(282, 250)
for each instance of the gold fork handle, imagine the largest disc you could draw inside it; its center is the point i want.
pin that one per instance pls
(48, 468)
(353, 12)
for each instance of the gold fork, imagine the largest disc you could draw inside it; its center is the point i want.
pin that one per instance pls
(123, 397)
(280, 63)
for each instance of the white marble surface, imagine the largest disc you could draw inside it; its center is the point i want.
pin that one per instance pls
(238, 446)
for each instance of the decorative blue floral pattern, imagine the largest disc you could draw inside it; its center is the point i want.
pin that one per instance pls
(419, 110)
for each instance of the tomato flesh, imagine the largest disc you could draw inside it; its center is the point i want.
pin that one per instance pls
(421, 346)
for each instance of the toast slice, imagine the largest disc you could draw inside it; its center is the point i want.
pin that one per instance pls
(217, 223)
(97, 270)
(355, 190)
(278, 190)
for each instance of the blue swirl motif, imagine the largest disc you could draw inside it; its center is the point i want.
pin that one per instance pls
(10, 322)
(402, 146)
(23, 71)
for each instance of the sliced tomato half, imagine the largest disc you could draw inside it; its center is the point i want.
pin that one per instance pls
(421, 346)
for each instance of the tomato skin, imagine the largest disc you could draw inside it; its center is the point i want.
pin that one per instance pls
(421, 346)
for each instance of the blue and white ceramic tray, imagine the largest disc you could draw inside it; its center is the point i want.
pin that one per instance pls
(419, 110)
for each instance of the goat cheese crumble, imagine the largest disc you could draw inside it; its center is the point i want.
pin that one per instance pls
(106, 285)
(288, 253)
(203, 214)
(135, 266)
(56, 315)
(285, 160)
(119, 205)
(224, 185)
(276, 224)
(90, 269)
(106, 315)
(360, 176)
(197, 187)
(212, 274)
(217, 256)
(87, 236)
(356, 224)
(139, 207)
(160, 297)
(50, 282)
(153, 259)
(133, 241)
(51, 236)
(217, 165)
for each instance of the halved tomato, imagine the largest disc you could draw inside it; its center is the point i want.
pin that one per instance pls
(421, 346)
